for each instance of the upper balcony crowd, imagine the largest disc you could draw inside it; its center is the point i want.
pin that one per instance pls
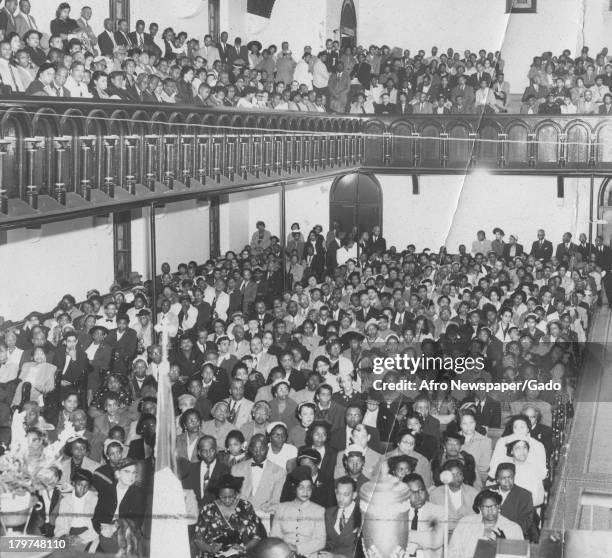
(148, 66)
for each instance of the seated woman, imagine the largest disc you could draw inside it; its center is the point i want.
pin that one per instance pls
(317, 437)
(406, 443)
(283, 407)
(528, 475)
(73, 523)
(235, 449)
(486, 523)
(39, 374)
(451, 450)
(305, 413)
(113, 415)
(115, 384)
(120, 511)
(260, 413)
(518, 428)
(228, 522)
(76, 451)
(427, 444)
(218, 427)
(280, 452)
(301, 523)
(187, 442)
(348, 394)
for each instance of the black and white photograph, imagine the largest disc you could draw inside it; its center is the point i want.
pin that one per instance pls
(305, 279)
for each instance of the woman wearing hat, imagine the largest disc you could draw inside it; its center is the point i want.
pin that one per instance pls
(218, 427)
(282, 406)
(75, 457)
(39, 374)
(280, 452)
(115, 384)
(301, 523)
(227, 523)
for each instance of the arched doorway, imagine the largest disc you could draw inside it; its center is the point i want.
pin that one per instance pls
(355, 200)
(604, 206)
(348, 25)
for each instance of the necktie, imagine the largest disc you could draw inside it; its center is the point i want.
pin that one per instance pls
(140, 41)
(414, 525)
(205, 480)
(342, 522)
(260, 465)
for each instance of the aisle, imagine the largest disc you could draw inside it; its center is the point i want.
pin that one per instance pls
(585, 474)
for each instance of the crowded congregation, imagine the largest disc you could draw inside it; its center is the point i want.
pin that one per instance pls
(69, 58)
(279, 428)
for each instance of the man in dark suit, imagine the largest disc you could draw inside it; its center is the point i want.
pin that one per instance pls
(202, 476)
(122, 34)
(132, 506)
(260, 314)
(124, 342)
(584, 247)
(606, 106)
(603, 258)
(377, 243)
(342, 522)
(340, 437)
(204, 308)
(386, 107)
(71, 374)
(224, 48)
(565, 248)
(366, 312)
(139, 38)
(542, 249)
(322, 487)
(362, 71)
(106, 39)
(248, 289)
(238, 51)
(486, 409)
(517, 503)
(480, 75)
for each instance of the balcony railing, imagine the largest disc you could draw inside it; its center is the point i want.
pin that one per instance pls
(558, 145)
(59, 160)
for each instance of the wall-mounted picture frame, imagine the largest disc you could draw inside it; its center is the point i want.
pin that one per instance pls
(521, 6)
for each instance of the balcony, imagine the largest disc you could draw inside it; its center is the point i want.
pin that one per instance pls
(58, 160)
(505, 143)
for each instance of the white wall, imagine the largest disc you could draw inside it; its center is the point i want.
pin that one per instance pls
(307, 203)
(39, 266)
(181, 234)
(450, 209)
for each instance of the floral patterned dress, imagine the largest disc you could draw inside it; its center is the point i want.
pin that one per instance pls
(243, 524)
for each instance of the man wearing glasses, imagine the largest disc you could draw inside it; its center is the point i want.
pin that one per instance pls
(487, 524)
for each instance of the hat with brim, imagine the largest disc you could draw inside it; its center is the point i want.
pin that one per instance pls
(498, 230)
(98, 328)
(251, 44)
(273, 425)
(350, 336)
(309, 453)
(239, 62)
